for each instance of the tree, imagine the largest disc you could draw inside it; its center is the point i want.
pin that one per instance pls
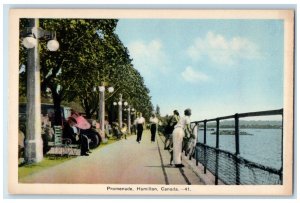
(157, 111)
(90, 52)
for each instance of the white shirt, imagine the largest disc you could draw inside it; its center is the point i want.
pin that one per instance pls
(153, 120)
(183, 121)
(75, 129)
(140, 120)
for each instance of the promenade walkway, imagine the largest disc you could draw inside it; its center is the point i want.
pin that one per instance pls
(122, 162)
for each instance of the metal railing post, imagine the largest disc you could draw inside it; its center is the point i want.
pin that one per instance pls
(237, 148)
(235, 156)
(204, 142)
(237, 137)
(196, 154)
(218, 133)
(281, 147)
(204, 137)
(217, 152)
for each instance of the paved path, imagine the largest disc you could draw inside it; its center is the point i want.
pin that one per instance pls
(123, 162)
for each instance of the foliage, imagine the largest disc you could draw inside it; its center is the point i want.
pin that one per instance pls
(157, 111)
(90, 53)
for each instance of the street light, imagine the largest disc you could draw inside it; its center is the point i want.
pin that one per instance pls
(120, 103)
(33, 140)
(133, 113)
(29, 42)
(129, 110)
(53, 44)
(102, 102)
(35, 33)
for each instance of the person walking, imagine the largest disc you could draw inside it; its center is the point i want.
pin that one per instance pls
(140, 122)
(178, 134)
(153, 126)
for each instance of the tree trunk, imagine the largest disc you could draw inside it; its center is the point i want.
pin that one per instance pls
(57, 108)
(86, 108)
(88, 113)
(112, 114)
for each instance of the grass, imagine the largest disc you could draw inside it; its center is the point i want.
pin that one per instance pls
(50, 161)
(47, 162)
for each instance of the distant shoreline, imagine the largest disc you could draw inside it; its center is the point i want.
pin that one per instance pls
(230, 130)
(244, 127)
(243, 124)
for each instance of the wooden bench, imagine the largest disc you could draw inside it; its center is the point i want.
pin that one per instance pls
(62, 146)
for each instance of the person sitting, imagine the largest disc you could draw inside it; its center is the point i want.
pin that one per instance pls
(124, 130)
(21, 147)
(72, 132)
(82, 123)
(116, 130)
(96, 127)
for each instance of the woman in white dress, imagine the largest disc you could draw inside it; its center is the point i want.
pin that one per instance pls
(178, 134)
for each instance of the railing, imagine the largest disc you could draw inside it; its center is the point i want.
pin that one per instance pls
(230, 167)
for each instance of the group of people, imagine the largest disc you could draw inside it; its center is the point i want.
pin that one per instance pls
(47, 134)
(118, 131)
(140, 124)
(77, 128)
(176, 129)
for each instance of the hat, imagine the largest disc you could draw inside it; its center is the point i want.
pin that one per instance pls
(71, 119)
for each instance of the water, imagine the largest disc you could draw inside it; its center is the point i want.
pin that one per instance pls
(263, 146)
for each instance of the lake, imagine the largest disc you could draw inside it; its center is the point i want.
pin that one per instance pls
(263, 146)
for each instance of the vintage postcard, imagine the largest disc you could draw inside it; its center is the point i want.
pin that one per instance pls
(151, 101)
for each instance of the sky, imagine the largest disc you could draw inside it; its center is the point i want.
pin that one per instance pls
(215, 67)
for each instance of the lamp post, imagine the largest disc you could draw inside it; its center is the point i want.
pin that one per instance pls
(102, 103)
(114, 111)
(33, 139)
(133, 118)
(120, 104)
(133, 113)
(129, 120)
(129, 110)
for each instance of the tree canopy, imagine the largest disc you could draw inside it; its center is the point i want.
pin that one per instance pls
(90, 53)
